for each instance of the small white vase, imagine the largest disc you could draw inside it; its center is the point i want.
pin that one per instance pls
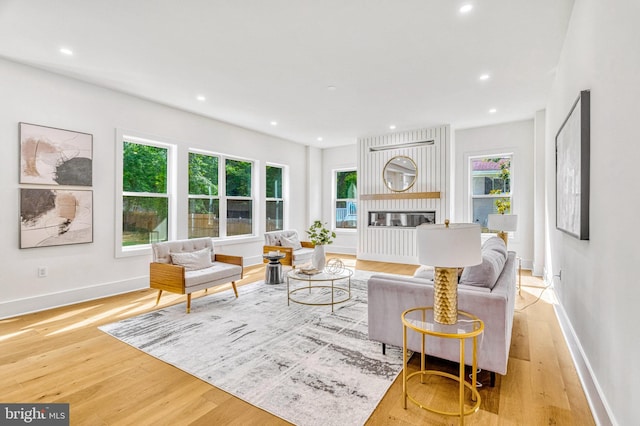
(317, 260)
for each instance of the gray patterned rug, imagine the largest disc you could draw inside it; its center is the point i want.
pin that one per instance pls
(302, 363)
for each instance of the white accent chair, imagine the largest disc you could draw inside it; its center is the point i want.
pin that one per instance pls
(167, 274)
(287, 242)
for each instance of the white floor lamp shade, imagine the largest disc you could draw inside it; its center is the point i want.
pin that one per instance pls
(503, 223)
(447, 247)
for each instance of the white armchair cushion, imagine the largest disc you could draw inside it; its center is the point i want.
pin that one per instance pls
(292, 242)
(192, 261)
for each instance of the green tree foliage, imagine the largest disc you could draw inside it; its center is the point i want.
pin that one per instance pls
(144, 168)
(203, 174)
(238, 175)
(347, 184)
(274, 182)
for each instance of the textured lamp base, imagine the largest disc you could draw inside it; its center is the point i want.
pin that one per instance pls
(504, 236)
(445, 295)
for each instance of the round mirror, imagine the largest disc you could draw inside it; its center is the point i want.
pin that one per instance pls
(399, 174)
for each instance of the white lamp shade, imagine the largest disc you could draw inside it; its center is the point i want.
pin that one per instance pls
(449, 247)
(503, 222)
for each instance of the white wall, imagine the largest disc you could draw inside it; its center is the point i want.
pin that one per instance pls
(599, 291)
(517, 138)
(85, 271)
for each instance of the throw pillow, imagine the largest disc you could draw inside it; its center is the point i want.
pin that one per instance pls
(425, 272)
(194, 260)
(486, 273)
(292, 242)
(495, 244)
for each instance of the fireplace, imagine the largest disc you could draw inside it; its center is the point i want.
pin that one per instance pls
(402, 219)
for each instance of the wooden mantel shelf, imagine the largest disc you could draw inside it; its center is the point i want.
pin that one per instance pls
(400, 196)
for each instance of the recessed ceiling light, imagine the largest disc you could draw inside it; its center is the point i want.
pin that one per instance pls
(392, 127)
(66, 51)
(320, 139)
(201, 98)
(331, 88)
(493, 111)
(466, 8)
(274, 123)
(484, 77)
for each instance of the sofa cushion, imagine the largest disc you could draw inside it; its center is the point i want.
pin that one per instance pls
(425, 272)
(292, 242)
(494, 257)
(218, 271)
(302, 255)
(194, 260)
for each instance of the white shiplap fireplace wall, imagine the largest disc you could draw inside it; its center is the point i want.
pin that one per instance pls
(394, 244)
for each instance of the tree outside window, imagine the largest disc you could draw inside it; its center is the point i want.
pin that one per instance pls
(145, 199)
(238, 193)
(346, 213)
(274, 199)
(204, 202)
(490, 187)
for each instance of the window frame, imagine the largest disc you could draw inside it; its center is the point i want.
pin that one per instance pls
(224, 198)
(282, 197)
(335, 200)
(471, 196)
(123, 136)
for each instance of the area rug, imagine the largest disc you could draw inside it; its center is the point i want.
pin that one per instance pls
(302, 363)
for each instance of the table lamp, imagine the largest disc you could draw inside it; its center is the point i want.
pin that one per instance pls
(503, 223)
(446, 248)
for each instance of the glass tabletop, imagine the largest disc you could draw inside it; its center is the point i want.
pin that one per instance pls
(325, 275)
(421, 320)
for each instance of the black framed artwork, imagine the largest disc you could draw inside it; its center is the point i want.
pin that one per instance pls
(572, 169)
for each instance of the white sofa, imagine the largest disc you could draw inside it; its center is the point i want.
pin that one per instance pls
(390, 296)
(296, 252)
(185, 266)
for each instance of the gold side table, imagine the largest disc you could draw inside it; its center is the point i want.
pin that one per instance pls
(468, 326)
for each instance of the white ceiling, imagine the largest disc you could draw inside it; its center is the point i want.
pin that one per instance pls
(412, 63)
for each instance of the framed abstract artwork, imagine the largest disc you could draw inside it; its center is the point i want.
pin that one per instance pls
(53, 156)
(55, 217)
(572, 170)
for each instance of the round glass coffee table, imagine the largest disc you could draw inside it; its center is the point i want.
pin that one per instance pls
(320, 289)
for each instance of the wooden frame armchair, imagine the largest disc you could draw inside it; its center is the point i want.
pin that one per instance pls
(293, 257)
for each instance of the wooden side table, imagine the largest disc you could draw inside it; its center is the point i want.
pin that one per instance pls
(468, 326)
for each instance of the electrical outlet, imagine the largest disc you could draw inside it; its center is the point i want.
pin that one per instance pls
(42, 272)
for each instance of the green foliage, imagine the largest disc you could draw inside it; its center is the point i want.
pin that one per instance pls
(238, 175)
(144, 168)
(505, 169)
(319, 234)
(346, 185)
(503, 205)
(274, 182)
(203, 174)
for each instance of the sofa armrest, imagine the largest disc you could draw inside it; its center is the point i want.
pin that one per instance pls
(234, 260)
(165, 276)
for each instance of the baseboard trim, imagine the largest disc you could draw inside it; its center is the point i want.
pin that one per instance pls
(600, 408)
(43, 302)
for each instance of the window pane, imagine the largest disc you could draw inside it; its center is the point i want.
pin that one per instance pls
(346, 214)
(274, 182)
(203, 174)
(239, 217)
(238, 174)
(482, 207)
(144, 220)
(346, 184)
(204, 218)
(144, 168)
(275, 213)
(491, 175)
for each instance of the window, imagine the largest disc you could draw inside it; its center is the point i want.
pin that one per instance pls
(238, 178)
(346, 199)
(275, 202)
(204, 202)
(145, 193)
(490, 187)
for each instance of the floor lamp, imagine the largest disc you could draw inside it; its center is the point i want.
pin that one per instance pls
(448, 247)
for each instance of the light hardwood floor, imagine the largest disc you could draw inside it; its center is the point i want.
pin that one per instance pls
(61, 356)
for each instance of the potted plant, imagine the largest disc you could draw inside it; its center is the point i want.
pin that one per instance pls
(320, 236)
